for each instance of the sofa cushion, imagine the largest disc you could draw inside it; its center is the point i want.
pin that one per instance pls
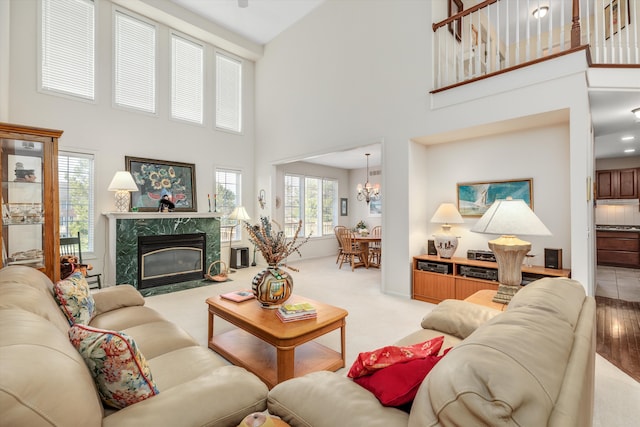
(458, 318)
(121, 372)
(371, 361)
(75, 298)
(398, 384)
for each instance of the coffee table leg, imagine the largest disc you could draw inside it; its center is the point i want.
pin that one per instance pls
(285, 363)
(343, 342)
(210, 328)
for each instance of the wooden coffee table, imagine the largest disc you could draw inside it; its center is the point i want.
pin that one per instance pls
(273, 350)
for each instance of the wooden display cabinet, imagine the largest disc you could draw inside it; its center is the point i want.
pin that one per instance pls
(30, 212)
(433, 287)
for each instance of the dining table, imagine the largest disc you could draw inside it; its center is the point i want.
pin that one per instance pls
(364, 242)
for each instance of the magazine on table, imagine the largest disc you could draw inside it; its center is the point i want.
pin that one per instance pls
(238, 296)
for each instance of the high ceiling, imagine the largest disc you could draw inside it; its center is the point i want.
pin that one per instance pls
(262, 20)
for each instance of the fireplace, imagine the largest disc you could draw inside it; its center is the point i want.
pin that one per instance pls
(171, 258)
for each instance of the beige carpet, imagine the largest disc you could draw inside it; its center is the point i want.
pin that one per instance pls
(375, 320)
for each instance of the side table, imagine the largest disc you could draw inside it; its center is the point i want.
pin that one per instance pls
(485, 297)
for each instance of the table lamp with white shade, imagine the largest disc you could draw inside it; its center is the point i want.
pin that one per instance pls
(445, 241)
(239, 213)
(509, 218)
(122, 183)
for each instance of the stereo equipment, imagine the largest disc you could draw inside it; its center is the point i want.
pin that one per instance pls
(553, 258)
(481, 255)
(435, 267)
(431, 247)
(479, 272)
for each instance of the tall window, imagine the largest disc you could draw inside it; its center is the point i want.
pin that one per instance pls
(76, 187)
(312, 200)
(67, 47)
(227, 197)
(186, 79)
(134, 63)
(228, 92)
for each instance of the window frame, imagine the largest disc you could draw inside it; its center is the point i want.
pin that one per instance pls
(237, 231)
(132, 15)
(40, 53)
(231, 57)
(88, 249)
(289, 228)
(203, 84)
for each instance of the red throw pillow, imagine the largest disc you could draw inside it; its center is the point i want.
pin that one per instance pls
(398, 384)
(371, 361)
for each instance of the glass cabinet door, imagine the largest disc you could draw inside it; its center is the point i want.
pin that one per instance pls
(23, 218)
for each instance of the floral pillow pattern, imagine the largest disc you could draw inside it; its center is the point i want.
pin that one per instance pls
(371, 361)
(119, 369)
(75, 300)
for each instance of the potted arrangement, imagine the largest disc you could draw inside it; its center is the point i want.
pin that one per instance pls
(273, 286)
(361, 228)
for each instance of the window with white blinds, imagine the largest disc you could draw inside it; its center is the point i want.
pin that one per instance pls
(134, 63)
(187, 79)
(76, 188)
(228, 92)
(67, 45)
(226, 198)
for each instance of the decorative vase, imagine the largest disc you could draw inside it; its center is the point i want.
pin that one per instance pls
(272, 286)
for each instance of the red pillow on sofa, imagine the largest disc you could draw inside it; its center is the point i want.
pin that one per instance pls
(398, 384)
(371, 361)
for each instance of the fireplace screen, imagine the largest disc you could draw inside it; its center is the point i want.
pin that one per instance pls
(170, 259)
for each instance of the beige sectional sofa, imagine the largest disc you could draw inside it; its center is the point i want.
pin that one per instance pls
(531, 365)
(45, 382)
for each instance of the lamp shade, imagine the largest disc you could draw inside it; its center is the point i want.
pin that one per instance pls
(447, 213)
(123, 180)
(239, 214)
(513, 217)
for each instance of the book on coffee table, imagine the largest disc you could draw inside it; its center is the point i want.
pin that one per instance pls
(238, 296)
(298, 311)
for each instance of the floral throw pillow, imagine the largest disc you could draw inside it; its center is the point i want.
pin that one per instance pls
(371, 361)
(119, 369)
(75, 300)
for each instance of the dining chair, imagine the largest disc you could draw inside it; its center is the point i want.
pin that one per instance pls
(336, 231)
(71, 246)
(351, 250)
(375, 248)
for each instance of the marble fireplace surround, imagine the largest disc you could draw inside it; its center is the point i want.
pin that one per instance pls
(123, 230)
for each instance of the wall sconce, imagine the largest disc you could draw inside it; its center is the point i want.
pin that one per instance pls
(262, 199)
(636, 112)
(541, 12)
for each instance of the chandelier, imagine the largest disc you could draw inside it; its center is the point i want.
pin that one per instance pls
(368, 192)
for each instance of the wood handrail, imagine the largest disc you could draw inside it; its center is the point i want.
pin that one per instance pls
(463, 13)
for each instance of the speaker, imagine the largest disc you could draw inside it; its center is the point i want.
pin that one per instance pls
(431, 247)
(553, 258)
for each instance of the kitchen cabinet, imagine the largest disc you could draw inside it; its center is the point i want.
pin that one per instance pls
(30, 213)
(618, 248)
(617, 184)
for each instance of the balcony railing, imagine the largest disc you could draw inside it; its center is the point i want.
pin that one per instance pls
(499, 35)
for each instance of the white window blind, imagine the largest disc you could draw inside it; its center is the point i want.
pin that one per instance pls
(76, 188)
(186, 79)
(134, 63)
(228, 93)
(67, 47)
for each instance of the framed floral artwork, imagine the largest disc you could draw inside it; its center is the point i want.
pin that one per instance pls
(158, 178)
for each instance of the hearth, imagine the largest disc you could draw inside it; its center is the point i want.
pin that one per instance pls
(172, 258)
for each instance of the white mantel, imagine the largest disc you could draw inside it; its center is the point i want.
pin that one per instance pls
(112, 219)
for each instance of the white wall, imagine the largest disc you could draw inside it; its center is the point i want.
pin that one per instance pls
(111, 133)
(371, 75)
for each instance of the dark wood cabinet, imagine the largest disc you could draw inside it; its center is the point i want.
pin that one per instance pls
(617, 184)
(618, 248)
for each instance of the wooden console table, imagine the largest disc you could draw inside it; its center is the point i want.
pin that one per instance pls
(274, 350)
(434, 287)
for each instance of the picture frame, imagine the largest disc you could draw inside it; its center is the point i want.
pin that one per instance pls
(611, 24)
(344, 207)
(474, 35)
(475, 198)
(455, 27)
(375, 207)
(156, 178)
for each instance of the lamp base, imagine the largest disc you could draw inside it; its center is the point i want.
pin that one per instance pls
(122, 201)
(505, 293)
(446, 243)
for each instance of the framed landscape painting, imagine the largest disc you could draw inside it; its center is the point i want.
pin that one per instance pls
(158, 178)
(475, 198)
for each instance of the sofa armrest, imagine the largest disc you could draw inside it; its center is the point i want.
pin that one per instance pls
(222, 398)
(115, 297)
(327, 399)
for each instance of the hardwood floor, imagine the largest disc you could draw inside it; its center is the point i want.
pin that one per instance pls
(618, 333)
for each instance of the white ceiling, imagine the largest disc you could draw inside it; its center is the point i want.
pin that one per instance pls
(263, 20)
